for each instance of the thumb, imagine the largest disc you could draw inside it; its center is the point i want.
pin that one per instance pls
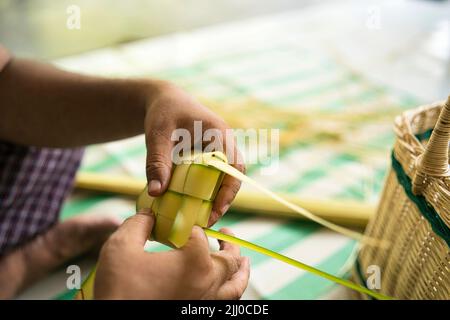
(198, 242)
(136, 229)
(159, 162)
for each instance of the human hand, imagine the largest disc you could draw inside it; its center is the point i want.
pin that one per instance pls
(126, 271)
(172, 109)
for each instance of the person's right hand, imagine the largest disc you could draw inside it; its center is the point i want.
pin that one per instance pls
(126, 271)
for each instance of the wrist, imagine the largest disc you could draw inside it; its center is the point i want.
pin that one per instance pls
(155, 89)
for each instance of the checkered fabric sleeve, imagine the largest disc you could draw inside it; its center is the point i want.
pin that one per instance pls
(33, 185)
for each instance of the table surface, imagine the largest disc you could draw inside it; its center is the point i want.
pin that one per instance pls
(327, 78)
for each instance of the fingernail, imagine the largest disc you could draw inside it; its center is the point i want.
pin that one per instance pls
(154, 186)
(225, 208)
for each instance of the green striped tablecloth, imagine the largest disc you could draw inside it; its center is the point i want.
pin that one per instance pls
(277, 65)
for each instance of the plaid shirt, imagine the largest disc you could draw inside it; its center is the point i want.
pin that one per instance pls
(33, 185)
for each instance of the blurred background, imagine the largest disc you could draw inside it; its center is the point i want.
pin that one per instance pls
(33, 28)
(379, 29)
(330, 75)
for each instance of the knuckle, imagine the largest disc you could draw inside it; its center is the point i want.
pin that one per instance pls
(232, 263)
(199, 262)
(241, 167)
(215, 123)
(157, 158)
(158, 132)
(235, 188)
(235, 263)
(206, 267)
(156, 163)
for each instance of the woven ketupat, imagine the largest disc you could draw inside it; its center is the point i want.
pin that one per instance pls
(414, 211)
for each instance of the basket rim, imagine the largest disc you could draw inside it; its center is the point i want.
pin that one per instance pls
(408, 150)
(404, 130)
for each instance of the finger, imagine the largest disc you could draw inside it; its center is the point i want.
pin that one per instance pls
(230, 186)
(226, 194)
(235, 287)
(196, 251)
(198, 242)
(136, 229)
(225, 265)
(229, 247)
(159, 160)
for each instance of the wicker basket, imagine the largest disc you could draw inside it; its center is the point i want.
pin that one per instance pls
(414, 211)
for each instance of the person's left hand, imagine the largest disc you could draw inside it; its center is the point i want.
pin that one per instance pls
(173, 109)
(126, 271)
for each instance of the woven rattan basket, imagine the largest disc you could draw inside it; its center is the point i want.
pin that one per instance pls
(414, 211)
